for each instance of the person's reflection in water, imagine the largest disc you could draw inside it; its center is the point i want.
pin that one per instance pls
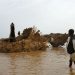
(12, 62)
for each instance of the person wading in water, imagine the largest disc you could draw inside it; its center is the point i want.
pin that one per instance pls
(71, 47)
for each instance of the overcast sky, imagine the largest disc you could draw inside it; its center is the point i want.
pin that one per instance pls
(49, 16)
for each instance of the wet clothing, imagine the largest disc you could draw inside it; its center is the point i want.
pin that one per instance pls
(73, 40)
(71, 49)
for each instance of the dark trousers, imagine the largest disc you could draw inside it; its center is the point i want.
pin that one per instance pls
(70, 62)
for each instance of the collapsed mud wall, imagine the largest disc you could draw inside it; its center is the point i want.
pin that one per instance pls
(57, 39)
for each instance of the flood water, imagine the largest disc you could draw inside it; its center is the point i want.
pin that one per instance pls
(49, 62)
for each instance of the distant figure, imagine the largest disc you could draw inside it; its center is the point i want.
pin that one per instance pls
(71, 47)
(18, 33)
(12, 33)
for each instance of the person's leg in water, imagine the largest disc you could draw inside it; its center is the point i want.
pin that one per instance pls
(70, 63)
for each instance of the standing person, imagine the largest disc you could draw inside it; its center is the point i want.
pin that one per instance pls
(70, 48)
(12, 33)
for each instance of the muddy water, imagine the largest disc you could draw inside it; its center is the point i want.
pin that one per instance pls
(50, 62)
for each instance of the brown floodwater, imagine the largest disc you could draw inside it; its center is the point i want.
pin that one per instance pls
(49, 62)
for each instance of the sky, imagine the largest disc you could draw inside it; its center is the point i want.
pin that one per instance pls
(49, 16)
